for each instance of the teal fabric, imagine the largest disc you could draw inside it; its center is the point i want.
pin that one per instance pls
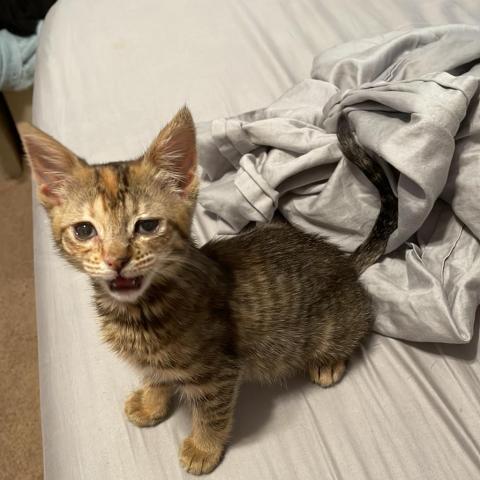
(17, 60)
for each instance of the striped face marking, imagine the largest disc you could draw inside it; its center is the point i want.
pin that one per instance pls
(111, 181)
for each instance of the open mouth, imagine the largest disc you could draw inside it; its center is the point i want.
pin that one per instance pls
(122, 284)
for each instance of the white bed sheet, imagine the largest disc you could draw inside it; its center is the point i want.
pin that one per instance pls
(109, 74)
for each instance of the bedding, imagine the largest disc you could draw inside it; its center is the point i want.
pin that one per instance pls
(17, 60)
(407, 94)
(109, 74)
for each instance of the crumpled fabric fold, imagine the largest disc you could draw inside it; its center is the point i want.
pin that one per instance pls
(17, 60)
(412, 97)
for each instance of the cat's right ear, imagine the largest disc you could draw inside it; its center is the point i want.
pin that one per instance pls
(51, 163)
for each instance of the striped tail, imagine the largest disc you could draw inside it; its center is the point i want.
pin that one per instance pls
(374, 246)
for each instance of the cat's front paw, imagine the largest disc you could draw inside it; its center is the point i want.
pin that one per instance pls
(198, 461)
(146, 408)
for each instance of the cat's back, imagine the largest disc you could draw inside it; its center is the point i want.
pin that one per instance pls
(281, 247)
(277, 268)
(287, 292)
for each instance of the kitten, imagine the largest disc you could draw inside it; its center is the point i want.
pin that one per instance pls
(266, 304)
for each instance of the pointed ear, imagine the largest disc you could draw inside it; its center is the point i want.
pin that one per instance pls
(52, 164)
(174, 151)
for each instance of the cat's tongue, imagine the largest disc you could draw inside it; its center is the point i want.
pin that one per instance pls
(122, 283)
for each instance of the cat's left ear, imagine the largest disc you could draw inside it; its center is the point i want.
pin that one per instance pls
(174, 151)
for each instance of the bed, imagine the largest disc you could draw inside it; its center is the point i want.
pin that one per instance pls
(109, 74)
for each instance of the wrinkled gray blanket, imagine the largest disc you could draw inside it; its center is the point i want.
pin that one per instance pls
(412, 97)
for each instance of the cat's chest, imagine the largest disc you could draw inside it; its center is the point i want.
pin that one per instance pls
(164, 356)
(142, 345)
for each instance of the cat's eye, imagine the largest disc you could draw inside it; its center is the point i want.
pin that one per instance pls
(84, 230)
(147, 226)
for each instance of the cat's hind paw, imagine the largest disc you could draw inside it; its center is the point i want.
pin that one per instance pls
(327, 375)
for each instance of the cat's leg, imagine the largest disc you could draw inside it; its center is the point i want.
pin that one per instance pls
(327, 375)
(149, 405)
(212, 419)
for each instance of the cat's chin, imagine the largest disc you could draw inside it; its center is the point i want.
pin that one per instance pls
(127, 290)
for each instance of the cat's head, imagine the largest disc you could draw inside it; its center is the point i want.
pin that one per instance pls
(119, 222)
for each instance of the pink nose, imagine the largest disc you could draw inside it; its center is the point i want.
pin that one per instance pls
(115, 262)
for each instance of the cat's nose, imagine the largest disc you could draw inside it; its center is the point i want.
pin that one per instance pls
(117, 263)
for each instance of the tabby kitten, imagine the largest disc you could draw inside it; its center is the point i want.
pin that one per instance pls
(265, 304)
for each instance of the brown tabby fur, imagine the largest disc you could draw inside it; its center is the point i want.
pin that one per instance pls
(265, 304)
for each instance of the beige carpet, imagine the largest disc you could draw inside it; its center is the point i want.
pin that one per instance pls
(20, 434)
